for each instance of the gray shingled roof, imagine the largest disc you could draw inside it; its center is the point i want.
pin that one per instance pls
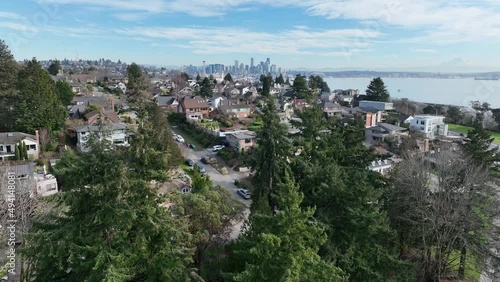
(14, 137)
(165, 100)
(97, 128)
(390, 127)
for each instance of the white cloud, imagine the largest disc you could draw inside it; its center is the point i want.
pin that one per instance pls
(424, 50)
(12, 16)
(202, 40)
(439, 21)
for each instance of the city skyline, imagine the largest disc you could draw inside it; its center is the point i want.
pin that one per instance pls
(406, 36)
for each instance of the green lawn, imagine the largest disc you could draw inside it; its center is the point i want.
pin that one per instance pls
(464, 129)
(188, 170)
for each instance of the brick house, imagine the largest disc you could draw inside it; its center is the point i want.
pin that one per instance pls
(194, 108)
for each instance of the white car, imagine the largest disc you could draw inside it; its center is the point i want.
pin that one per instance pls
(218, 148)
(179, 139)
(244, 193)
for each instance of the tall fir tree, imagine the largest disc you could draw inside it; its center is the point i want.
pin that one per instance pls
(38, 105)
(283, 246)
(377, 91)
(478, 144)
(8, 92)
(270, 157)
(64, 92)
(112, 227)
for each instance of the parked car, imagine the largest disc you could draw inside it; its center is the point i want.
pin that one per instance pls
(203, 171)
(208, 160)
(244, 193)
(218, 148)
(179, 138)
(189, 162)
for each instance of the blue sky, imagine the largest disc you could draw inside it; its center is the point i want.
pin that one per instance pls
(421, 35)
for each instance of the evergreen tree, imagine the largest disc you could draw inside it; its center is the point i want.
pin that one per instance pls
(377, 91)
(153, 152)
(17, 152)
(331, 172)
(300, 88)
(65, 93)
(284, 246)
(206, 89)
(228, 78)
(138, 83)
(478, 144)
(266, 84)
(198, 78)
(270, 157)
(54, 67)
(455, 115)
(38, 105)
(24, 151)
(8, 93)
(112, 227)
(280, 79)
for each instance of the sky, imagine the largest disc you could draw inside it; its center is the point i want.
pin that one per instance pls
(397, 35)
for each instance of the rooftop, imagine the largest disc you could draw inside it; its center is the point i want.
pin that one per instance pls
(244, 135)
(97, 128)
(14, 137)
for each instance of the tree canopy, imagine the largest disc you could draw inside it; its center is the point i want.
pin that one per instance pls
(300, 87)
(206, 88)
(54, 67)
(64, 92)
(377, 91)
(38, 105)
(8, 92)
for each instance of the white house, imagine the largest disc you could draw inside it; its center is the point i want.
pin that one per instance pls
(381, 106)
(430, 126)
(36, 181)
(215, 101)
(381, 166)
(114, 133)
(9, 140)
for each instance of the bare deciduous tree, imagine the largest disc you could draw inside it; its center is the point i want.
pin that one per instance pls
(442, 207)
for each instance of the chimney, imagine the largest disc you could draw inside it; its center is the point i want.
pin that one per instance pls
(37, 137)
(426, 145)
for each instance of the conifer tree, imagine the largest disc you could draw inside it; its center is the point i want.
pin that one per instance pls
(270, 157)
(377, 91)
(478, 144)
(112, 227)
(8, 93)
(284, 246)
(17, 153)
(24, 151)
(38, 105)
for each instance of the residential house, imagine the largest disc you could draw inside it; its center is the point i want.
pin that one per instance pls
(9, 140)
(401, 118)
(186, 91)
(381, 106)
(194, 108)
(381, 166)
(384, 131)
(215, 101)
(167, 102)
(76, 87)
(114, 133)
(106, 102)
(76, 111)
(370, 116)
(35, 180)
(83, 78)
(429, 126)
(300, 104)
(346, 99)
(331, 109)
(242, 141)
(239, 111)
(96, 117)
(327, 97)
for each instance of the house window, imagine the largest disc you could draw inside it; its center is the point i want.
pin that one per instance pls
(32, 147)
(8, 149)
(422, 122)
(51, 187)
(248, 141)
(1, 148)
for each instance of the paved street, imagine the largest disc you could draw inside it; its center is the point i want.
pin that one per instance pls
(226, 181)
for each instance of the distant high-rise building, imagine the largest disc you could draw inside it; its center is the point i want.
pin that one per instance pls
(251, 63)
(268, 61)
(236, 64)
(204, 70)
